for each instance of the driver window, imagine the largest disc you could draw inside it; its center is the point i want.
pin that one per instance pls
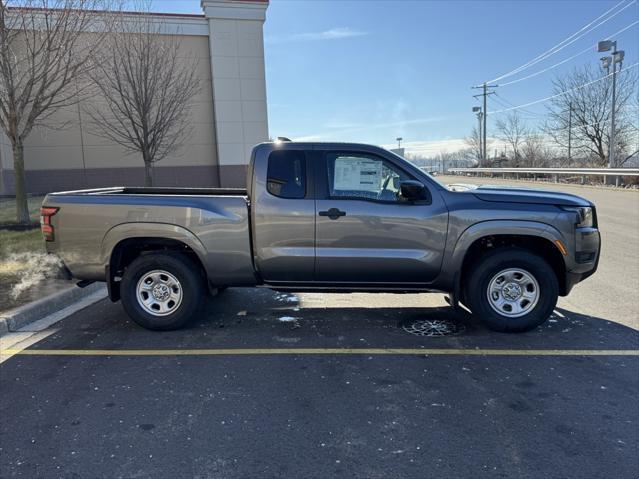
(354, 175)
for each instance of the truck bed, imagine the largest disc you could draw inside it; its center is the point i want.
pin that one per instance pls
(213, 222)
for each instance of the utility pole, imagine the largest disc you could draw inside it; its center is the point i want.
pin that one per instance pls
(485, 94)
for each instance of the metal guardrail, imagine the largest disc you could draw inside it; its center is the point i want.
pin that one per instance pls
(553, 171)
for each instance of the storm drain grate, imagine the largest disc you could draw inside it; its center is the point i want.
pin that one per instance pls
(433, 328)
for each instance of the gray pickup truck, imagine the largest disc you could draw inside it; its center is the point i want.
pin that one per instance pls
(327, 217)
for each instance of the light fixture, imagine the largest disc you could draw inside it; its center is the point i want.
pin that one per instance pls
(605, 45)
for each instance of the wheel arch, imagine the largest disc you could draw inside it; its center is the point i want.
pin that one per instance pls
(123, 243)
(539, 238)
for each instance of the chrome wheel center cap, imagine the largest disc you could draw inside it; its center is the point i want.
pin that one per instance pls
(511, 291)
(161, 292)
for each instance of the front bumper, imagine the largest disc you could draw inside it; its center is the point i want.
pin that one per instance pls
(586, 256)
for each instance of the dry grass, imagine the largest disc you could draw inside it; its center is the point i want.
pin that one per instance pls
(8, 209)
(15, 242)
(23, 261)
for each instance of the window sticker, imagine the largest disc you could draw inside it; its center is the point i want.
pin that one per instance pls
(361, 174)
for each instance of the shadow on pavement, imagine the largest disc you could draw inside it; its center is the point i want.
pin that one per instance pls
(250, 318)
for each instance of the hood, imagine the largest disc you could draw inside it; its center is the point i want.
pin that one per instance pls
(528, 195)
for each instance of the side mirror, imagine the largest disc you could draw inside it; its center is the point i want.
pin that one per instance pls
(412, 190)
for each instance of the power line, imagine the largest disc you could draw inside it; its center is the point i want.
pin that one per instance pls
(567, 59)
(509, 104)
(568, 41)
(517, 107)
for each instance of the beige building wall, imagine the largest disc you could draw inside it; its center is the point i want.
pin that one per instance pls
(227, 117)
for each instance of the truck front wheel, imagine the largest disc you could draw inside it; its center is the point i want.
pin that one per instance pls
(162, 291)
(512, 290)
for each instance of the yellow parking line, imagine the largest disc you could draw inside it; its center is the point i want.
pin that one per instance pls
(320, 351)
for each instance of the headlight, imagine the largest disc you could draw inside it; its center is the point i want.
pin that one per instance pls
(584, 215)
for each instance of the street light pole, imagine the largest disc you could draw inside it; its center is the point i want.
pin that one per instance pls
(611, 155)
(570, 133)
(480, 116)
(477, 109)
(617, 57)
(485, 118)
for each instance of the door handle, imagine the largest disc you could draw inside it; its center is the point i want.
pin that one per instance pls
(333, 213)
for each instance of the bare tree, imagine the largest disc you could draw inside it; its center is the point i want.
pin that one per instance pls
(474, 143)
(584, 101)
(536, 152)
(513, 131)
(146, 88)
(44, 51)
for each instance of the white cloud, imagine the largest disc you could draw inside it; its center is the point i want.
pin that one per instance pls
(331, 34)
(431, 147)
(338, 132)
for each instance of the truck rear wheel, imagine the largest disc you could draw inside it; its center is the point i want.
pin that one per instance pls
(512, 290)
(162, 291)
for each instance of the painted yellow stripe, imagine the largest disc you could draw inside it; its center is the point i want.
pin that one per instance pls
(319, 351)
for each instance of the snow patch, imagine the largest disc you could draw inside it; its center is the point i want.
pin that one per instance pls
(287, 319)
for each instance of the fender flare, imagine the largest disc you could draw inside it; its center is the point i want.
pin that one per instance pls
(455, 258)
(126, 231)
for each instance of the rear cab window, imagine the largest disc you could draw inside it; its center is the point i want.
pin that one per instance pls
(286, 174)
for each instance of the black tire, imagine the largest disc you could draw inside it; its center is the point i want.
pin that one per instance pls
(190, 283)
(489, 266)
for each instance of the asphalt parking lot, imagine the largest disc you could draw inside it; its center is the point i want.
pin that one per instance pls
(269, 385)
(126, 402)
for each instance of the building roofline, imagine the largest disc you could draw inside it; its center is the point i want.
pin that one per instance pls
(123, 12)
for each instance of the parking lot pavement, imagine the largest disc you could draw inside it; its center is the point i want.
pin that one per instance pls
(169, 405)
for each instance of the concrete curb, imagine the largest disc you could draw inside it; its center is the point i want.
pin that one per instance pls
(18, 318)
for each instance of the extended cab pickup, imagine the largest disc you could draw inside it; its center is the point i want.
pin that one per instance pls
(327, 217)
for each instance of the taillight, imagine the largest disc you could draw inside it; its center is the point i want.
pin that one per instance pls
(46, 212)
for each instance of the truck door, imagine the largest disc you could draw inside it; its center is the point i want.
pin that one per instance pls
(284, 217)
(365, 233)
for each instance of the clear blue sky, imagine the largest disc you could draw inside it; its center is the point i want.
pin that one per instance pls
(373, 70)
